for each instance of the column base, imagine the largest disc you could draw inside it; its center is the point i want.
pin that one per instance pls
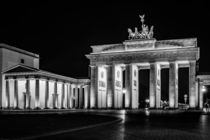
(46, 108)
(17, 108)
(172, 108)
(37, 108)
(63, 108)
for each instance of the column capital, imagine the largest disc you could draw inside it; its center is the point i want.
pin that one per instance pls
(92, 66)
(20, 77)
(9, 78)
(192, 61)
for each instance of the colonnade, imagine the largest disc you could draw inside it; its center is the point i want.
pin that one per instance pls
(107, 91)
(44, 93)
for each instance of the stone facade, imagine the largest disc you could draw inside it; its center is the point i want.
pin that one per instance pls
(114, 77)
(25, 86)
(133, 55)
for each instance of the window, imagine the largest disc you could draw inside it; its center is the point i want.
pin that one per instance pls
(22, 61)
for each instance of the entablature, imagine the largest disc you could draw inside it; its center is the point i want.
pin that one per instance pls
(187, 54)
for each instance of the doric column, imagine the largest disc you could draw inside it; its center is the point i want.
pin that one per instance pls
(55, 94)
(7, 93)
(110, 84)
(72, 98)
(16, 93)
(86, 94)
(81, 97)
(37, 92)
(200, 96)
(158, 86)
(76, 97)
(93, 86)
(192, 81)
(152, 93)
(28, 94)
(173, 85)
(63, 95)
(96, 85)
(128, 85)
(155, 85)
(69, 95)
(196, 93)
(47, 93)
(113, 86)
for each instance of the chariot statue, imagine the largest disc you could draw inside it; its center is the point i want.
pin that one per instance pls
(145, 32)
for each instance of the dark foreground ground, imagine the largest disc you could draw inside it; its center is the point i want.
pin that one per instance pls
(19, 126)
(134, 125)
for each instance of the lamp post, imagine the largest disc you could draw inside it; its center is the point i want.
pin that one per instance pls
(147, 103)
(185, 99)
(203, 89)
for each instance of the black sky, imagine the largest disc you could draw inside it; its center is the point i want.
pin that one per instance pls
(62, 32)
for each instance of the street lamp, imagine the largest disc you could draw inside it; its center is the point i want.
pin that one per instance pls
(185, 99)
(147, 102)
(124, 91)
(203, 89)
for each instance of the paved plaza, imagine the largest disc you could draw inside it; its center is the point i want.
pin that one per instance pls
(157, 127)
(94, 125)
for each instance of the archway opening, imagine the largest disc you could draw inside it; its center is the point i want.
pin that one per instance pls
(206, 94)
(143, 87)
(73, 99)
(164, 85)
(83, 98)
(123, 87)
(183, 87)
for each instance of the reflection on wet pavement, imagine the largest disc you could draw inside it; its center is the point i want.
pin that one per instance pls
(155, 127)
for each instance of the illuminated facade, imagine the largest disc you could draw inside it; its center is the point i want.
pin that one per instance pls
(115, 68)
(25, 86)
(107, 63)
(114, 76)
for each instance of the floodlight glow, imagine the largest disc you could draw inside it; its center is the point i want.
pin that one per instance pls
(122, 115)
(147, 113)
(124, 90)
(203, 89)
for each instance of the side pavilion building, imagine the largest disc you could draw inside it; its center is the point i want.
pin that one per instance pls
(24, 86)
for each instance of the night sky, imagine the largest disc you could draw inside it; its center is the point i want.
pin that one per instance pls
(62, 32)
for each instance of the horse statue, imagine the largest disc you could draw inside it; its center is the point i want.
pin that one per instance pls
(131, 34)
(145, 33)
(151, 33)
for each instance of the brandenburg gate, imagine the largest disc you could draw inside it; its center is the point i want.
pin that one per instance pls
(141, 51)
